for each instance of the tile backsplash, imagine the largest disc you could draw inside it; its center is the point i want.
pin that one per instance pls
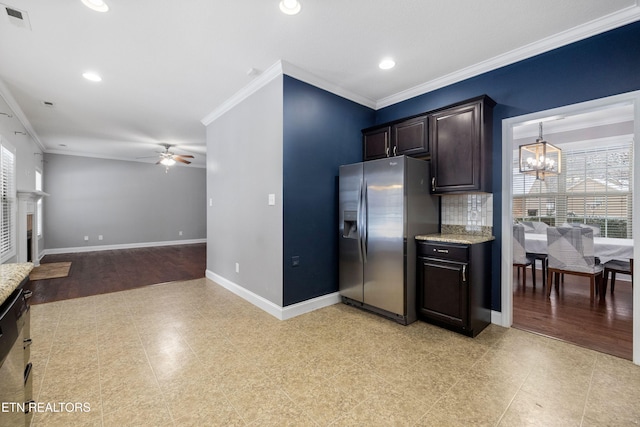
(468, 213)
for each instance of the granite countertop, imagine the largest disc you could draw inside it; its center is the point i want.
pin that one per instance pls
(468, 239)
(10, 277)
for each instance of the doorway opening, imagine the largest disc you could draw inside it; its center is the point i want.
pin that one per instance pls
(596, 135)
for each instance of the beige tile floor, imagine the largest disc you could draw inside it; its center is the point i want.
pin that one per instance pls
(192, 353)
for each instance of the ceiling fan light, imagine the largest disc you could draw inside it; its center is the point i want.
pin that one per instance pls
(290, 7)
(168, 161)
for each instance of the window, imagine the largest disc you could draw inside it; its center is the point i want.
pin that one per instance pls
(39, 204)
(595, 188)
(8, 201)
(38, 180)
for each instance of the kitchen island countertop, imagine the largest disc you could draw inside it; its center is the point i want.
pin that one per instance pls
(11, 275)
(468, 239)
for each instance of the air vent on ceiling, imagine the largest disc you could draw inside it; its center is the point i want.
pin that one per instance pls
(15, 13)
(17, 17)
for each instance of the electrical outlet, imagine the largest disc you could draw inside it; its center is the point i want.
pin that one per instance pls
(179, 233)
(86, 238)
(295, 261)
(237, 267)
(100, 237)
(272, 199)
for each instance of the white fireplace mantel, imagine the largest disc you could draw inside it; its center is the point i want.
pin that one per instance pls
(27, 205)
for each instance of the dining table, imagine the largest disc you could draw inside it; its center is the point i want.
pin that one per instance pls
(605, 248)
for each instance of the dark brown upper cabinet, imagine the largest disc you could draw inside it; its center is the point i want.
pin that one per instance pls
(376, 143)
(410, 137)
(461, 138)
(407, 137)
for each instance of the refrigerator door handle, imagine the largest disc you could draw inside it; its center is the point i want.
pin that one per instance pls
(359, 222)
(365, 225)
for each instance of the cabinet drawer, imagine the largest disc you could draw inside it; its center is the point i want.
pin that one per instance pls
(446, 251)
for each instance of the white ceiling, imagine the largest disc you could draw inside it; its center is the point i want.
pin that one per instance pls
(166, 65)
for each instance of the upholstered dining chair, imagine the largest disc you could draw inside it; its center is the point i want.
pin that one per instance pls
(537, 227)
(595, 228)
(616, 266)
(520, 258)
(570, 251)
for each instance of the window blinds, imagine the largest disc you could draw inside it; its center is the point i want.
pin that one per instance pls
(594, 188)
(7, 208)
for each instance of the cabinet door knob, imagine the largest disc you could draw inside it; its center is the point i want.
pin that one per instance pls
(395, 150)
(464, 273)
(433, 184)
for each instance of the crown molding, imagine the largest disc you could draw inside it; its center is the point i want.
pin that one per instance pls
(259, 82)
(276, 70)
(609, 22)
(120, 159)
(302, 75)
(19, 114)
(589, 29)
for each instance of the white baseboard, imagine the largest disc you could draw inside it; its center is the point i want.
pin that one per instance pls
(310, 305)
(281, 313)
(120, 246)
(496, 318)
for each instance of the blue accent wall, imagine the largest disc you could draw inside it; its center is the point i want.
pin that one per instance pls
(603, 65)
(321, 132)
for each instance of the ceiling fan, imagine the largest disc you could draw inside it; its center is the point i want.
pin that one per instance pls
(169, 158)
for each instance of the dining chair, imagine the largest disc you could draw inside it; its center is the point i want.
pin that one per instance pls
(570, 251)
(616, 266)
(595, 228)
(520, 258)
(537, 227)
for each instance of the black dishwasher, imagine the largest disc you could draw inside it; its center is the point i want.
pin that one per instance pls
(12, 364)
(454, 285)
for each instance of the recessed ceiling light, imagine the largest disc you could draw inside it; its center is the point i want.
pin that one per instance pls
(290, 7)
(387, 64)
(91, 76)
(97, 5)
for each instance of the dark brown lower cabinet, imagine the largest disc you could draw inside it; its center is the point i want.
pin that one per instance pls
(454, 285)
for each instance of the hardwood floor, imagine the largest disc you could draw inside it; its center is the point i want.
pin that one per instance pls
(605, 325)
(101, 272)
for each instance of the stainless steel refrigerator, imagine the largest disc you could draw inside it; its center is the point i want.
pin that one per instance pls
(383, 205)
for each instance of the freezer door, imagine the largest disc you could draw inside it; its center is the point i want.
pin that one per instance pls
(384, 285)
(349, 219)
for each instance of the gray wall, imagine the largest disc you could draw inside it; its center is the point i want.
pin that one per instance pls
(126, 202)
(244, 165)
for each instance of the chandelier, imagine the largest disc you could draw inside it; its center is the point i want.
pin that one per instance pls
(540, 158)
